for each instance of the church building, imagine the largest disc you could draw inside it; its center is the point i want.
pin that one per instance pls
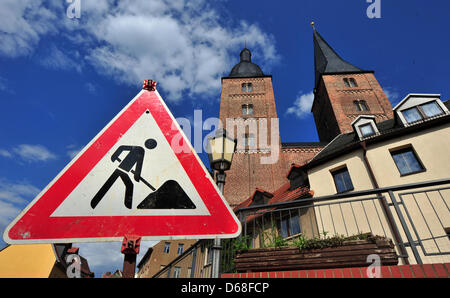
(342, 92)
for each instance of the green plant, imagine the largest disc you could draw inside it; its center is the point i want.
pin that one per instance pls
(326, 242)
(241, 243)
(279, 241)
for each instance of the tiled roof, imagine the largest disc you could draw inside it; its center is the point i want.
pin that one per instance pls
(389, 128)
(283, 194)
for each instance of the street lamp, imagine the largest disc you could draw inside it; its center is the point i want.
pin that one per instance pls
(220, 152)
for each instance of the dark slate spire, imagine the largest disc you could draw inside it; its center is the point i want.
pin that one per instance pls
(245, 68)
(327, 61)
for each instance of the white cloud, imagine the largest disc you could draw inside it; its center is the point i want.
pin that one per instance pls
(392, 95)
(7, 213)
(16, 192)
(34, 153)
(72, 152)
(12, 198)
(3, 84)
(57, 59)
(5, 153)
(302, 105)
(23, 23)
(185, 45)
(90, 87)
(106, 256)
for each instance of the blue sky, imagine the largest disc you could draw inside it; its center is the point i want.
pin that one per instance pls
(62, 80)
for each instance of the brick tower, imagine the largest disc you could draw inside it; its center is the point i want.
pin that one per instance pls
(248, 101)
(343, 92)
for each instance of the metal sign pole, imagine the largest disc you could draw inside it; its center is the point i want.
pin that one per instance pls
(217, 246)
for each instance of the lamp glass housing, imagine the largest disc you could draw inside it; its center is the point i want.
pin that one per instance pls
(220, 151)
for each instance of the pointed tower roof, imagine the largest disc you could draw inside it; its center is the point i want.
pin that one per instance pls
(327, 61)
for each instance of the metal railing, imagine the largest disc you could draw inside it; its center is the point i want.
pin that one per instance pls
(416, 219)
(415, 216)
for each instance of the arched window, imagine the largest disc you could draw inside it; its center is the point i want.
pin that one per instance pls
(247, 87)
(247, 109)
(347, 83)
(350, 82)
(361, 105)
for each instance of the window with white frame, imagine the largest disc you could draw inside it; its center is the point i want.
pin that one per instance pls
(420, 107)
(365, 126)
(167, 247)
(366, 130)
(177, 272)
(180, 249)
(423, 111)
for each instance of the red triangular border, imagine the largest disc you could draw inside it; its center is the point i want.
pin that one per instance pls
(34, 224)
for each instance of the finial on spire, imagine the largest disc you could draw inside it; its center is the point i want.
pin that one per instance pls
(312, 25)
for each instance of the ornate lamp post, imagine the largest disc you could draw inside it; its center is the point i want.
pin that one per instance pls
(220, 152)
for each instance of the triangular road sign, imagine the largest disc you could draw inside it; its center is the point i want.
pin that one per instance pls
(139, 176)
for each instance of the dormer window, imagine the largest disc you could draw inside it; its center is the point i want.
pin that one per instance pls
(365, 126)
(367, 130)
(261, 197)
(421, 112)
(420, 107)
(247, 87)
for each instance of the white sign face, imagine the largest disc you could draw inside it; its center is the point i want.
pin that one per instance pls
(159, 166)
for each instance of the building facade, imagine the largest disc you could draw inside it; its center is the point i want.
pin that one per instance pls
(163, 253)
(365, 144)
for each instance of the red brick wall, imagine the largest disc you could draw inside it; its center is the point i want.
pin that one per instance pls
(334, 103)
(402, 271)
(247, 173)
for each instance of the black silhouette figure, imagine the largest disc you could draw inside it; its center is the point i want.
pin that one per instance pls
(134, 157)
(169, 196)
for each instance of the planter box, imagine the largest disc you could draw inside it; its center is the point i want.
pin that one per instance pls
(350, 254)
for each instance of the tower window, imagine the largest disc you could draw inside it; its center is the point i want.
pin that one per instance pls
(361, 105)
(247, 87)
(350, 82)
(247, 109)
(249, 140)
